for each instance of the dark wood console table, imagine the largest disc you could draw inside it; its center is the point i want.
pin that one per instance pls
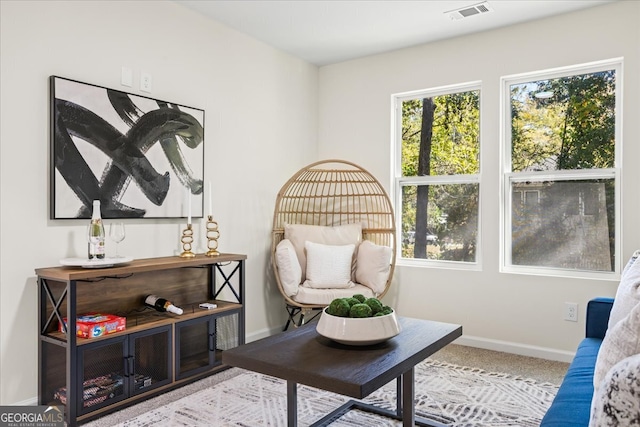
(157, 351)
(302, 356)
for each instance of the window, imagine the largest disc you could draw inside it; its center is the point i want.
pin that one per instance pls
(561, 185)
(437, 181)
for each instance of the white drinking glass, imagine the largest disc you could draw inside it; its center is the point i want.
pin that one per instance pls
(116, 233)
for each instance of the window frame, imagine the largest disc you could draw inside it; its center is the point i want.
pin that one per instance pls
(399, 181)
(509, 177)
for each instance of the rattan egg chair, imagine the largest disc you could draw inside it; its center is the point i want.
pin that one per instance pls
(332, 193)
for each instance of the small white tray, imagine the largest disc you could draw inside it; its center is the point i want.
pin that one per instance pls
(95, 263)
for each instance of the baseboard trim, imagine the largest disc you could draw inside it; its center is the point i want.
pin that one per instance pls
(473, 341)
(262, 333)
(32, 401)
(516, 348)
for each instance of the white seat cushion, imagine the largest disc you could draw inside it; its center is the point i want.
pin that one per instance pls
(325, 296)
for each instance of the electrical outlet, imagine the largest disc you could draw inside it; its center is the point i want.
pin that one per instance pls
(145, 82)
(571, 311)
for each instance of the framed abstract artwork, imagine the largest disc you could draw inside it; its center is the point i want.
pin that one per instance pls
(141, 157)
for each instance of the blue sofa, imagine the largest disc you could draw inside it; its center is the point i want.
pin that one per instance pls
(572, 404)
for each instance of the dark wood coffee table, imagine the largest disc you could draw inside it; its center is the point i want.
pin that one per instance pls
(302, 356)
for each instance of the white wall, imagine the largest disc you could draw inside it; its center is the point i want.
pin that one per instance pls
(514, 312)
(261, 122)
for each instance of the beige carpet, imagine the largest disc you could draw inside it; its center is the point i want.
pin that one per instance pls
(519, 366)
(494, 361)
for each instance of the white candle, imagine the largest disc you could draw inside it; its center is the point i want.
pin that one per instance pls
(210, 201)
(189, 202)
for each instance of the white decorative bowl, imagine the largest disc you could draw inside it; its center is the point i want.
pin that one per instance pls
(358, 331)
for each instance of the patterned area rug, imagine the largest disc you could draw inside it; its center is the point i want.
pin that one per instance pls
(450, 394)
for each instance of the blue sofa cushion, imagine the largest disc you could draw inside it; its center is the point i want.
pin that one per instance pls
(572, 404)
(598, 311)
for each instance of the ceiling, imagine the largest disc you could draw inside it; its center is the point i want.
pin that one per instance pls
(328, 31)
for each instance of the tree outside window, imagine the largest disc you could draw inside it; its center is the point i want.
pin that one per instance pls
(438, 173)
(561, 177)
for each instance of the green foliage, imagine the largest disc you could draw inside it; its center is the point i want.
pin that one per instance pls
(456, 128)
(572, 129)
(453, 149)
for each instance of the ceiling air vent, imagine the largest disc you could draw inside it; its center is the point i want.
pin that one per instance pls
(468, 11)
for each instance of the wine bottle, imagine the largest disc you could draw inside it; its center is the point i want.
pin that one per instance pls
(96, 233)
(161, 304)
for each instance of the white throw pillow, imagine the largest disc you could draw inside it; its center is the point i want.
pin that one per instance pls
(288, 267)
(631, 261)
(628, 293)
(616, 402)
(373, 265)
(328, 266)
(339, 235)
(620, 342)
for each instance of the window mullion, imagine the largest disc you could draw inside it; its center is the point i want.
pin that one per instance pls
(563, 175)
(439, 180)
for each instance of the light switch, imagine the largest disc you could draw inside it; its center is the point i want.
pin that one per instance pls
(145, 82)
(127, 77)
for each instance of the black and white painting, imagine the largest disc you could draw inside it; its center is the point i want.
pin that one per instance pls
(141, 157)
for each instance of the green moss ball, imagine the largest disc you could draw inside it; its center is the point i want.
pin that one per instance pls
(360, 310)
(375, 304)
(339, 307)
(360, 297)
(352, 301)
